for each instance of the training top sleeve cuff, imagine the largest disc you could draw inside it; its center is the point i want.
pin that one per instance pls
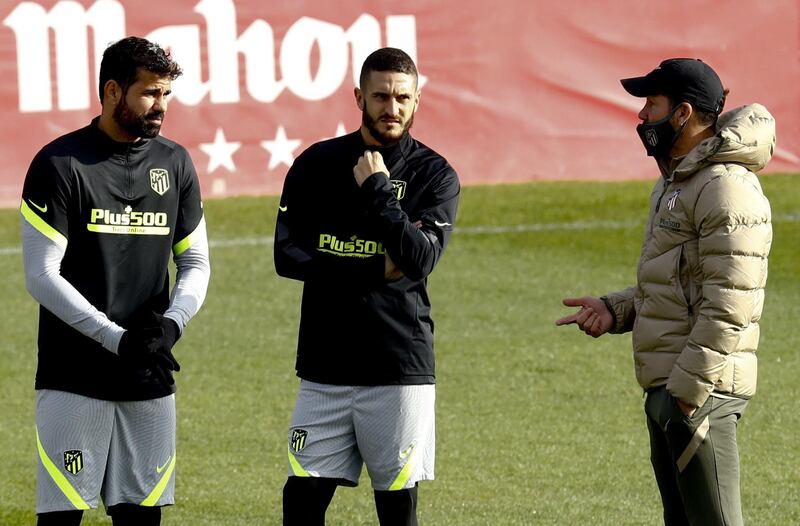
(111, 337)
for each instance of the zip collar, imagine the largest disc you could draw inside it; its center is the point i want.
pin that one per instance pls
(113, 147)
(391, 154)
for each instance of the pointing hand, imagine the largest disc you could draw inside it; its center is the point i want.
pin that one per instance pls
(593, 318)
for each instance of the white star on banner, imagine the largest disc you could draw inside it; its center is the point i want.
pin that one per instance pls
(281, 149)
(220, 152)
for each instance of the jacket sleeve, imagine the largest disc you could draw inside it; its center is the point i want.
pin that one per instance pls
(189, 251)
(735, 234)
(415, 251)
(191, 279)
(297, 238)
(621, 306)
(291, 260)
(42, 253)
(46, 195)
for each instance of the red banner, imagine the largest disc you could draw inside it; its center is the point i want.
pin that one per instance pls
(513, 91)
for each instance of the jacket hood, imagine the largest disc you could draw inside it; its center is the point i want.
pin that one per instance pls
(745, 136)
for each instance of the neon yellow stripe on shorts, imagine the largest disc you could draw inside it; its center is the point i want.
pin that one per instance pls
(61, 481)
(41, 225)
(184, 244)
(152, 499)
(405, 473)
(296, 467)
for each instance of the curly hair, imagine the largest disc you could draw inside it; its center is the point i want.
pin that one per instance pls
(122, 60)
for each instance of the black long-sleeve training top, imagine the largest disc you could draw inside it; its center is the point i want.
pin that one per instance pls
(118, 210)
(356, 326)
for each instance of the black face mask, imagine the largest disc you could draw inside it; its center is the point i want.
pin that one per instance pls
(658, 137)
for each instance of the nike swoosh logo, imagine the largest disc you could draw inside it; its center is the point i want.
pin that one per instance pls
(42, 209)
(160, 468)
(283, 208)
(407, 451)
(441, 224)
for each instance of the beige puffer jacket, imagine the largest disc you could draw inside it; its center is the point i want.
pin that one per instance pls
(703, 268)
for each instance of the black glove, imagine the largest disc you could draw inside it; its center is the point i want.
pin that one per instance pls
(172, 334)
(150, 347)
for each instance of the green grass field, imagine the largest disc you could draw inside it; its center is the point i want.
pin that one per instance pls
(536, 425)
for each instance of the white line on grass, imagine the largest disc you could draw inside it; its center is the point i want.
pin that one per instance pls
(545, 227)
(240, 242)
(467, 230)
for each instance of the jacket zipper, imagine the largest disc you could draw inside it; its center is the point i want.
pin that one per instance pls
(664, 191)
(129, 175)
(686, 297)
(658, 206)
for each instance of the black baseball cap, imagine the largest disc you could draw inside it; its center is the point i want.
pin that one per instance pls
(683, 80)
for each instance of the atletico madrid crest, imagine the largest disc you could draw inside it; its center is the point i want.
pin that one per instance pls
(399, 188)
(299, 439)
(73, 461)
(673, 199)
(159, 180)
(652, 137)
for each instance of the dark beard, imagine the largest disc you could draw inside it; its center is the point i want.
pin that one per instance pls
(384, 140)
(136, 124)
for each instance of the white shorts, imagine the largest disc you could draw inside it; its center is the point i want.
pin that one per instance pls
(390, 428)
(88, 447)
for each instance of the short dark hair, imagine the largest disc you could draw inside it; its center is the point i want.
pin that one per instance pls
(387, 59)
(122, 60)
(706, 118)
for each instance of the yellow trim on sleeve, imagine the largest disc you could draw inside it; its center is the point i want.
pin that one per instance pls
(61, 481)
(41, 225)
(152, 499)
(296, 467)
(184, 244)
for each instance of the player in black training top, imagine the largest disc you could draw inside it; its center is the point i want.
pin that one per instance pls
(103, 208)
(363, 220)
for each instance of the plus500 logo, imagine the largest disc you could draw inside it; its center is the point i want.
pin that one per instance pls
(107, 217)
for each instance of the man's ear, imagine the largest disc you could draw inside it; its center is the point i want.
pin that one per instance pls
(684, 113)
(112, 93)
(359, 98)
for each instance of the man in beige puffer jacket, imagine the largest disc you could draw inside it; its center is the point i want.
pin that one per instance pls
(696, 308)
